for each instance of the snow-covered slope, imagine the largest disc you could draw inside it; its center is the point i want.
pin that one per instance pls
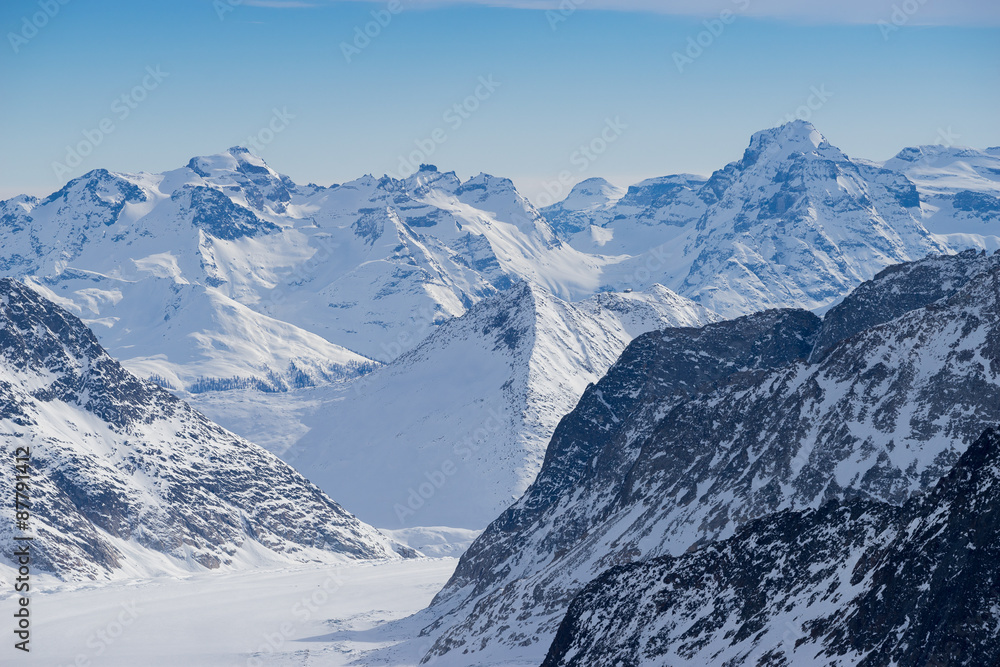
(695, 432)
(450, 433)
(852, 583)
(959, 192)
(127, 480)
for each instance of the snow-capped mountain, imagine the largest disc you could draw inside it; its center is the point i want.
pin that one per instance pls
(851, 583)
(595, 218)
(127, 480)
(798, 224)
(225, 273)
(693, 433)
(794, 223)
(451, 432)
(586, 201)
(959, 192)
(334, 279)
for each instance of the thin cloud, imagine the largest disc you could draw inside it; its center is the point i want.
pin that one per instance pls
(909, 12)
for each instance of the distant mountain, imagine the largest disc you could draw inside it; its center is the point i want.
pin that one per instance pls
(226, 274)
(852, 583)
(693, 433)
(127, 480)
(794, 223)
(959, 192)
(596, 219)
(586, 202)
(451, 432)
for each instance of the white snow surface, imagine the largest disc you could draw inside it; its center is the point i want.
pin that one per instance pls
(329, 615)
(942, 172)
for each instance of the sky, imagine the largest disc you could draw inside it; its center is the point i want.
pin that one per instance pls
(546, 92)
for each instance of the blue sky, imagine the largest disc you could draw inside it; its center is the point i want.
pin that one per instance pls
(556, 81)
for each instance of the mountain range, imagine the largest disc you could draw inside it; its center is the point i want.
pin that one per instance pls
(693, 433)
(410, 345)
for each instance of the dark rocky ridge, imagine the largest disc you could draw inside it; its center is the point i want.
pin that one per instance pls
(898, 290)
(858, 582)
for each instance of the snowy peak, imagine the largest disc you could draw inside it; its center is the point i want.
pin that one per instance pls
(591, 194)
(503, 373)
(794, 223)
(428, 177)
(797, 223)
(241, 170)
(98, 187)
(783, 142)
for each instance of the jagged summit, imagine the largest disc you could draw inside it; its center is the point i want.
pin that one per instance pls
(784, 141)
(236, 158)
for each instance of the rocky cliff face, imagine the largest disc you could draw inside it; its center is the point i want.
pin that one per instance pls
(695, 433)
(128, 480)
(851, 583)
